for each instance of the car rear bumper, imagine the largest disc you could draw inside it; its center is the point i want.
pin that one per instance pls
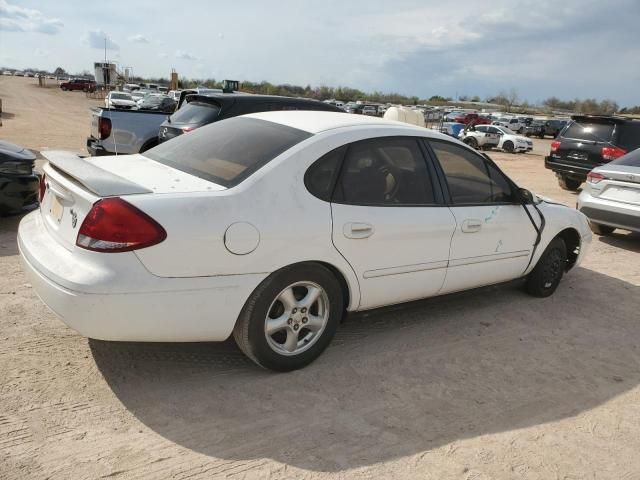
(111, 296)
(95, 149)
(610, 213)
(18, 192)
(568, 170)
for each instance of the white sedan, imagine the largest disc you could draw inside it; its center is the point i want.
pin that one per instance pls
(271, 226)
(122, 100)
(509, 141)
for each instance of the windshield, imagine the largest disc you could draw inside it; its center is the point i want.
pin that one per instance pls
(507, 131)
(229, 151)
(631, 159)
(120, 96)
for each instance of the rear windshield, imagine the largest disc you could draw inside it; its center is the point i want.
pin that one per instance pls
(196, 112)
(628, 136)
(631, 159)
(592, 132)
(229, 151)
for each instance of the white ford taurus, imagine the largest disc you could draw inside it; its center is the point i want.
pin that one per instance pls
(271, 226)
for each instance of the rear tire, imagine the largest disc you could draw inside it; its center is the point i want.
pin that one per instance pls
(568, 183)
(602, 230)
(472, 142)
(545, 277)
(274, 328)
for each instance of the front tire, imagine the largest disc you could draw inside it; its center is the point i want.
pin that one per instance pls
(602, 230)
(291, 317)
(472, 142)
(545, 277)
(508, 146)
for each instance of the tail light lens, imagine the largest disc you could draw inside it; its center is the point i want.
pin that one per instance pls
(555, 145)
(42, 188)
(104, 127)
(594, 177)
(187, 129)
(114, 225)
(611, 153)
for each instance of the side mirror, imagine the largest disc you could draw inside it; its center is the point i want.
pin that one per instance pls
(525, 196)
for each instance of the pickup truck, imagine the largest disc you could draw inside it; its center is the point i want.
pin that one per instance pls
(115, 132)
(467, 118)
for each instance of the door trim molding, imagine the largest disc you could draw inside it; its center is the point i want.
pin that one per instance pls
(459, 262)
(418, 267)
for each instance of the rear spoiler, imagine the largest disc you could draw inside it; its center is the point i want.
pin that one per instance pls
(98, 181)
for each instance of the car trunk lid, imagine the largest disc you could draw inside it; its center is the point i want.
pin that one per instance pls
(74, 184)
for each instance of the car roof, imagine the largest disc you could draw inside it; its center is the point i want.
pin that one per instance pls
(316, 122)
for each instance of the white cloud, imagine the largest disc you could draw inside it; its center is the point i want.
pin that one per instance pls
(138, 38)
(96, 39)
(185, 55)
(163, 55)
(14, 18)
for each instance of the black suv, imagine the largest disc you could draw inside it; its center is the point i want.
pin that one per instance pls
(198, 110)
(587, 142)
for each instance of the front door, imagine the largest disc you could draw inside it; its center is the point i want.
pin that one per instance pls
(494, 237)
(388, 223)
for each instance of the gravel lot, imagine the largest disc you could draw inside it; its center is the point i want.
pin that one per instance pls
(480, 385)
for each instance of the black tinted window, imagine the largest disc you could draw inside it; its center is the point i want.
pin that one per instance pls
(471, 179)
(629, 136)
(196, 112)
(228, 151)
(320, 177)
(593, 132)
(385, 171)
(631, 159)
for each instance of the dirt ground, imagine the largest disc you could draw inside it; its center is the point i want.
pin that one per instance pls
(481, 385)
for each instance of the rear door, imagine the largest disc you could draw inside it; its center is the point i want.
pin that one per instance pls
(389, 222)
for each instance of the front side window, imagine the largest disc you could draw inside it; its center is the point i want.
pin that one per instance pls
(471, 179)
(227, 152)
(384, 171)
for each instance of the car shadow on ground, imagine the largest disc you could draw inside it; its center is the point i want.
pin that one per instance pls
(395, 382)
(621, 239)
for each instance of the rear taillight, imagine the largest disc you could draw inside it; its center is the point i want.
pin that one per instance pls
(611, 153)
(594, 177)
(42, 188)
(555, 145)
(187, 129)
(104, 127)
(114, 225)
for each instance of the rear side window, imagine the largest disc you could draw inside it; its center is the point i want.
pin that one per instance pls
(471, 179)
(631, 159)
(384, 171)
(592, 132)
(229, 151)
(629, 136)
(196, 112)
(320, 176)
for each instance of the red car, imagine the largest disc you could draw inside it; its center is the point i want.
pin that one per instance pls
(467, 118)
(79, 84)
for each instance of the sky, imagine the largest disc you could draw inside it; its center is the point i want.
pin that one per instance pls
(568, 48)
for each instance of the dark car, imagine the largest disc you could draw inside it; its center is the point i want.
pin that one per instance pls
(587, 142)
(153, 102)
(18, 183)
(199, 110)
(535, 129)
(78, 84)
(553, 127)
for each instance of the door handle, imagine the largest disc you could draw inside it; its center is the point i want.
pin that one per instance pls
(357, 230)
(471, 225)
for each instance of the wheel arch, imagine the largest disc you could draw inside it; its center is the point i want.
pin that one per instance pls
(152, 142)
(572, 241)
